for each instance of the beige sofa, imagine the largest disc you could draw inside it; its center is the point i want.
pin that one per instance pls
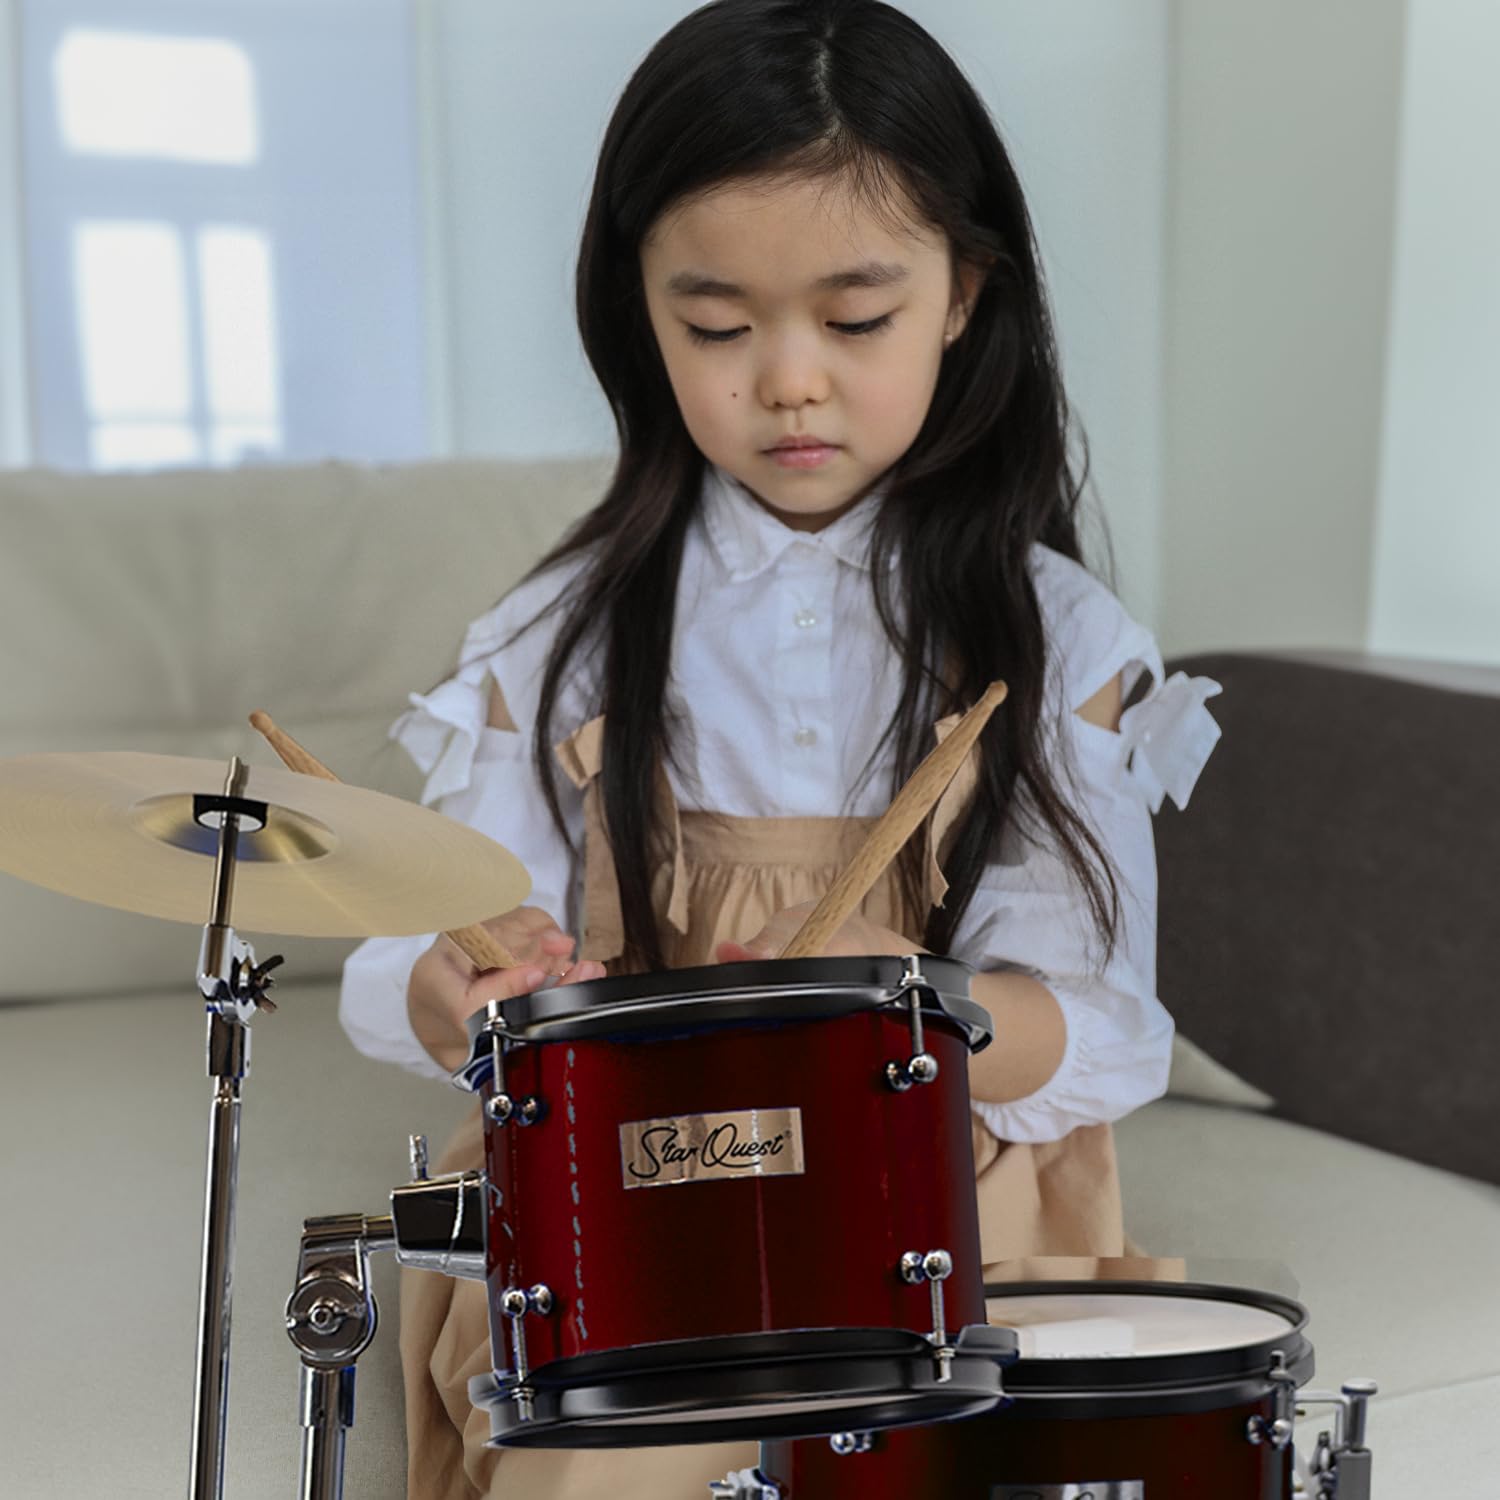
(153, 613)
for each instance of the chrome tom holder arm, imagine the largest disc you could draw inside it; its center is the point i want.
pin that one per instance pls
(435, 1224)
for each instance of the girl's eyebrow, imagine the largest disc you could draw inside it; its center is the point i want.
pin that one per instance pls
(872, 273)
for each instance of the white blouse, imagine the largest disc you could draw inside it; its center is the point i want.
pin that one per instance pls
(784, 680)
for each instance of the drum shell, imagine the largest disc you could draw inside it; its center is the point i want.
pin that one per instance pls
(885, 1172)
(1175, 1423)
(1177, 1456)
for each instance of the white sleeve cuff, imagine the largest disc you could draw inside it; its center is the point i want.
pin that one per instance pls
(1116, 1057)
(372, 1002)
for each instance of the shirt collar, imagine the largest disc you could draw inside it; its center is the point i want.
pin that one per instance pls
(749, 539)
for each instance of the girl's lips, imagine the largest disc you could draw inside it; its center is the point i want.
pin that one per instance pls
(803, 458)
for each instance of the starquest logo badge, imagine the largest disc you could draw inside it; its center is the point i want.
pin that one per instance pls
(710, 1148)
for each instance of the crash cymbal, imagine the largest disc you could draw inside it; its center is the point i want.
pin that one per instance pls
(333, 860)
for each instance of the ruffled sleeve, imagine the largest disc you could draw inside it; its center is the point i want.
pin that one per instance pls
(482, 776)
(1028, 910)
(442, 730)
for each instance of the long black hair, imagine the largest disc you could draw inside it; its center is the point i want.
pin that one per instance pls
(854, 92)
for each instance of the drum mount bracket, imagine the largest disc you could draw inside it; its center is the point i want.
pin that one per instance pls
(331, 1318)
(1340, 1465)
(1341, 1462)
(435, 1224)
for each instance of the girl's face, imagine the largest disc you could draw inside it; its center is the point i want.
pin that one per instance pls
(785, 309)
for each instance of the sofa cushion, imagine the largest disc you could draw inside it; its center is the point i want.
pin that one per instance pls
(100, 1293)
(1327, 925)
(153, 612)
(1396, 1262)
(1195, 1075)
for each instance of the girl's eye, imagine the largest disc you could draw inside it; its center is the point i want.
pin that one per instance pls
(728, 336)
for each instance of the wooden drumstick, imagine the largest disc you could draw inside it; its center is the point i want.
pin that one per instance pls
(897, 824)
(476, 941)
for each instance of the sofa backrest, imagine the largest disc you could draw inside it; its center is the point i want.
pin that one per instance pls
(1328, 911)
(154, 612)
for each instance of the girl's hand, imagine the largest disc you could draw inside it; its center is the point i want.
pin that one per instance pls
(445, 989)
(858, 936)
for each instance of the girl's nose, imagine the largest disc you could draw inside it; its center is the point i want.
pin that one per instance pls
(793, 376)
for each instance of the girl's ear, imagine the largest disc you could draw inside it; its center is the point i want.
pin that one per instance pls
(971, 279)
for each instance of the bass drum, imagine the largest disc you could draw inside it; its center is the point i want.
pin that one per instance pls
(1123, 1391)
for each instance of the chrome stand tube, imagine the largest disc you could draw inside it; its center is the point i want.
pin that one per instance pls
(327, 1416)
(232, 988)
(216, 1283)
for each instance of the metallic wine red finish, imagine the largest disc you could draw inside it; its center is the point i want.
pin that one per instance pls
(885, 1173)
(1178, 1456)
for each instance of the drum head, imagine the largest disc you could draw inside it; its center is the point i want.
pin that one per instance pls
(1110, 1340)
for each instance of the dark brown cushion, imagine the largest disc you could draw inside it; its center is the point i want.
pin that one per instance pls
(1330, 904)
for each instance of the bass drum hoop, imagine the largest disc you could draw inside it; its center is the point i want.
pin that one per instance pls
(1184, 1382)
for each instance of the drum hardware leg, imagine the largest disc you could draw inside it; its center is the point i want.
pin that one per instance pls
(331, 1318)
(921, 1066)
(935, 1267)
(233, 988)
(500, 1108)
(515, 1304)
(845, 1443)
(744, 1484)
(1341, 1463)
(1278, 1431)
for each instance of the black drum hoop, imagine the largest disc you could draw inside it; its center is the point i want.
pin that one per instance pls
(810, 989)
(696, 1390)
(1155, 1384)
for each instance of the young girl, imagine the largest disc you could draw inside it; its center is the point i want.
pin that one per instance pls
(843, 506)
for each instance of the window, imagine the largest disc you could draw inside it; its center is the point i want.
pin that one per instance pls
(222, 232)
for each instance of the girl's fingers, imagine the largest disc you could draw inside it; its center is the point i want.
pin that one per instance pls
(737, 953)
(503, 984)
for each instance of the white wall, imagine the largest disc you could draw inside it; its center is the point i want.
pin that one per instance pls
(15, 439)
(521, 98)
(1283, 190)
(1437, 554)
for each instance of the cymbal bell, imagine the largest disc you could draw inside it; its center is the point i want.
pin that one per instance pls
(332, 860)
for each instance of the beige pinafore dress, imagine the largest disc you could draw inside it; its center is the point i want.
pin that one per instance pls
(725, 879)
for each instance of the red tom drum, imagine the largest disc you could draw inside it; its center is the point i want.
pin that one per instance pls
(733, 1202)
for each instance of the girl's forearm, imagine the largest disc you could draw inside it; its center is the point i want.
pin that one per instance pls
(1031, 1032)
(1030, 1035)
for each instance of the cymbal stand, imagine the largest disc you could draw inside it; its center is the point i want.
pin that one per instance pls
(233, 988)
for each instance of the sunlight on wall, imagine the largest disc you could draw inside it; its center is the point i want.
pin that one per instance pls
(184, 98)
(179, 356)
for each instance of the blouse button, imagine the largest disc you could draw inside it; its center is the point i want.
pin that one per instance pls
(805, 619)
(805, 737)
